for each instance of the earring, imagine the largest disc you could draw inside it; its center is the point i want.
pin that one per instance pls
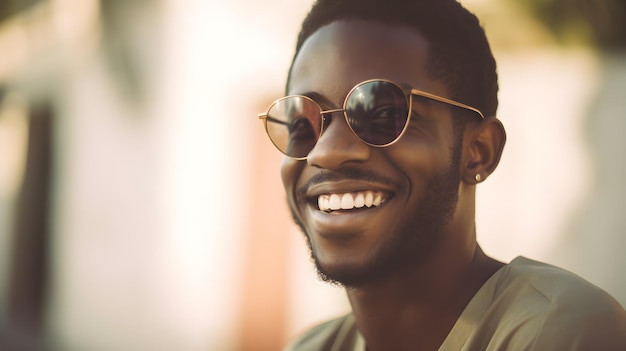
(478, 178)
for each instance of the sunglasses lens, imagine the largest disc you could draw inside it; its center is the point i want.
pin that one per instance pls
(294, 124)
(377, 112)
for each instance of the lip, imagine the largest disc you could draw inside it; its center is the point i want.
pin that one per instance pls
(343, 224)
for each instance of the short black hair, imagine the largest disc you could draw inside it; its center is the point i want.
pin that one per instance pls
(460, 55)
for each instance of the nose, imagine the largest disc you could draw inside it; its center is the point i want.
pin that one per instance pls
(337, 145)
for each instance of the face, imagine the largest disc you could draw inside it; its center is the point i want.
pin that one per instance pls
(412, 185)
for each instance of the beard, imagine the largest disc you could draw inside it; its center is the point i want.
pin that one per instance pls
(412, 242)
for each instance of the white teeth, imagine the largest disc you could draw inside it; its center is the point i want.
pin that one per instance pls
(335, 202)
(349, 201)
(377, 199)
(359, 200)
(369, 198)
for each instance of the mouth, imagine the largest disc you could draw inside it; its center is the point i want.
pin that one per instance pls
(351, 201)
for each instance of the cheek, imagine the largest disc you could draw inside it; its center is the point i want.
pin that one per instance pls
(426, 146)
(420, 159)
(290, 171)
(418, 156)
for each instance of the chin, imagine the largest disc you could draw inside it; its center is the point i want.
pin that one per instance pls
(344, 274)
(368, 268)
(403, 249)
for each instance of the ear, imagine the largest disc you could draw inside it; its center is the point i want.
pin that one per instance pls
(482, 149)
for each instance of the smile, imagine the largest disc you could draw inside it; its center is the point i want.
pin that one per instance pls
(350, 201)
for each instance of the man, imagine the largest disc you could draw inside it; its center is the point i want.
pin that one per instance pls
(388, 127)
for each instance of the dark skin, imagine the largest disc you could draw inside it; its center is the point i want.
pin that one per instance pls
(415, 307)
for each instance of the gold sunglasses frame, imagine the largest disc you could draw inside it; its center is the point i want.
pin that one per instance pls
(408, 93)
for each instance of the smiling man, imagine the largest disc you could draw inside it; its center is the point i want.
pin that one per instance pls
(387, 127)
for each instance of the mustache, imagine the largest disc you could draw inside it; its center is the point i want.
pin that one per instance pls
(346, 174)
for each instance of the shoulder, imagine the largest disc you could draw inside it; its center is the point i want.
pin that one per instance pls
(326, 336)
(550, 285)
(560, 308)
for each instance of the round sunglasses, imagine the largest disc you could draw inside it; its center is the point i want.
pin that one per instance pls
(376, 110)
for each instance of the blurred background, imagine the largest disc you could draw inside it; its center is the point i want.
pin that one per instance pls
(140, 202)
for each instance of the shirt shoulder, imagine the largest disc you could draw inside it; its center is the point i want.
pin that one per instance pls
(543, 307)
(542, 284)
(337, 334)
(569, 311)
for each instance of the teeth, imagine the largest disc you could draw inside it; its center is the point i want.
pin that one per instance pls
(335, 202)
(349, 201)
(359, 200)
(369, 198)
(378, 198)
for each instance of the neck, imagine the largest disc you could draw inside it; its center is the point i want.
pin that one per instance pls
(417, 309)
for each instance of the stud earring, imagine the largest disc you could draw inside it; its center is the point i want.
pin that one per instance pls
(478, 178)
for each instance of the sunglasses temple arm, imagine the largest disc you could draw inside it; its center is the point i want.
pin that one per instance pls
(446, 101)
(273, 120)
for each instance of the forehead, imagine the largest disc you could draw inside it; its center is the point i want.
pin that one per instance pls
(341, 54)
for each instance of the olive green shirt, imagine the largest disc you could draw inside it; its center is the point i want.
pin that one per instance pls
(526, 305)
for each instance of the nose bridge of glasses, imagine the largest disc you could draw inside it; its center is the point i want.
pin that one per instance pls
(338, 125)
(337, 144)
(330, 112)
(327, 117)
(338, 134)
